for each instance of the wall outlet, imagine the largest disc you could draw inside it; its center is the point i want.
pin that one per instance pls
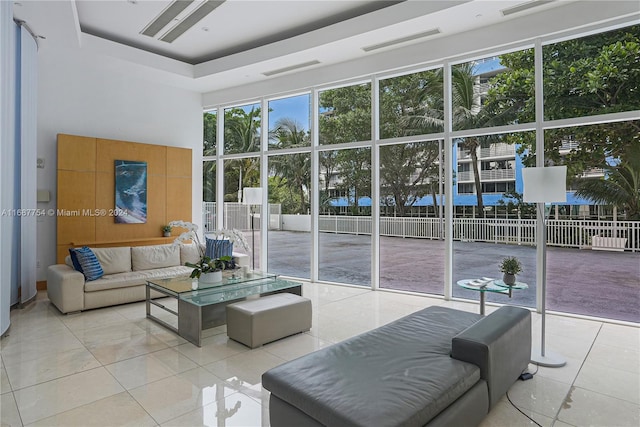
(38, 264)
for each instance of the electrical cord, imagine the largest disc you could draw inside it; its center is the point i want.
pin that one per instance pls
(525, 377)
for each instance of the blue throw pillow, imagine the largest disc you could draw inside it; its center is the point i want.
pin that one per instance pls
(74, 260)
(217, 248)
(91, 267)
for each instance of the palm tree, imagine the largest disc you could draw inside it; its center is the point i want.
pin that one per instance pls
(620, 187)
(294, 170)
(242, 135)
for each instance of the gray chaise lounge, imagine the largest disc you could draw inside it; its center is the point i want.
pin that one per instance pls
(436, 367)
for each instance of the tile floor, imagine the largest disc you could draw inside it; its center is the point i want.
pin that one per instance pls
(113, 367)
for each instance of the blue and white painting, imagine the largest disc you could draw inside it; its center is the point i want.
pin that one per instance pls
(131, 192)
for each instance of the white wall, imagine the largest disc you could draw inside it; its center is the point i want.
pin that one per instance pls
(83, 94)
(296, 222)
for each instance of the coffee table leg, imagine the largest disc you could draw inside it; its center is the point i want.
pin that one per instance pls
(482, 303)
(189, 321)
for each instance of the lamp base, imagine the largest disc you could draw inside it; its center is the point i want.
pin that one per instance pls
(549, 360)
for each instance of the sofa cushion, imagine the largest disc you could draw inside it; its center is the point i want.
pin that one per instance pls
(91, 267)
(152, 257)
(403, 367)
(189, 253)
(134, 278)
(114, 260)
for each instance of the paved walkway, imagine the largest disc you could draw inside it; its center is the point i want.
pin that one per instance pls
(595, 283)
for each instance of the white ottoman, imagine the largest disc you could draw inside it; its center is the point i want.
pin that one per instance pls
(259, 321)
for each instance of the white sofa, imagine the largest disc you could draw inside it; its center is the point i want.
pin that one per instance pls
(126, 271)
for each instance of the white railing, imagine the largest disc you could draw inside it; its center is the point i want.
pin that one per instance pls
(488, 175)
(610, 235)
(561, 233)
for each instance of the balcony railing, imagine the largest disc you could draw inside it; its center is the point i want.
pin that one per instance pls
(488, 175)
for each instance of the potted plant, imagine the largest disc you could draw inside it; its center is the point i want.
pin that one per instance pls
(209, 270)
(166, 230)
(510, 266)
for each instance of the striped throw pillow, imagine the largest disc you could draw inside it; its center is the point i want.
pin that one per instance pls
(91, 267)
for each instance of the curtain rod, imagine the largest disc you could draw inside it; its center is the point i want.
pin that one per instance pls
(35, 36)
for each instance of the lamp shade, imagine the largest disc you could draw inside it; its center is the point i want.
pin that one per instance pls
(545, 185)
(252, 195)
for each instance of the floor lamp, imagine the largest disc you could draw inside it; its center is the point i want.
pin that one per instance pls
(252, 196)
(545, 185)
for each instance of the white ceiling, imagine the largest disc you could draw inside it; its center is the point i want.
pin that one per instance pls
(240, 40)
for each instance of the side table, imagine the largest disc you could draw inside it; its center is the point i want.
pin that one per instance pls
(490, 285)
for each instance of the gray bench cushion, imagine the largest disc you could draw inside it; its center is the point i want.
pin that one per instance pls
(400, 374)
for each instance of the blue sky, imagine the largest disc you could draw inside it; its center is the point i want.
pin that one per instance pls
(297, 108)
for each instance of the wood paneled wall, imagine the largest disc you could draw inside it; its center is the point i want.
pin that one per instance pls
(86, 185)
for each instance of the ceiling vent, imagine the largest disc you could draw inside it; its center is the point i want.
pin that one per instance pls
(524, 6)
(412, 37)
(290, 68)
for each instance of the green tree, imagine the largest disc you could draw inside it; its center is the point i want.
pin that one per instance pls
(293, 171)
(355, 175)
(620, 187)
(407, 173)
(209, 120)
(241, 135)
(597, 74)
(345, 114)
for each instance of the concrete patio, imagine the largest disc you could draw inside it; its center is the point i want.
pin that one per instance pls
(593, 283)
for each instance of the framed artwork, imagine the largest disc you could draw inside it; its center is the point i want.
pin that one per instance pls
(131, 192)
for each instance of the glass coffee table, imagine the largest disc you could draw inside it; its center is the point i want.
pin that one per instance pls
(203, 306)
(490, 285)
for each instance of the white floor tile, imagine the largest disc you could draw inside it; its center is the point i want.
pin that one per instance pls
(108, 352)
(213, 348)
(621, 358)
(145, 369)
(235, 410)
(173, 382)
(588, 408)
(49, 367)
(504, 414)
(5, 386)
(540, 395)
(245, 369)
(57, 396)
(9, 415)
(119, 410)
(610, 381)
(177, 395)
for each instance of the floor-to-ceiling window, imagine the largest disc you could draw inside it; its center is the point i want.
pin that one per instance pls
(410, 183)
(289, 186)
(389, 149)
(585, 78)
(210, 126)
(344, 207)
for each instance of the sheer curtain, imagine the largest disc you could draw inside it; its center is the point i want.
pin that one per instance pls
(18, 86)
